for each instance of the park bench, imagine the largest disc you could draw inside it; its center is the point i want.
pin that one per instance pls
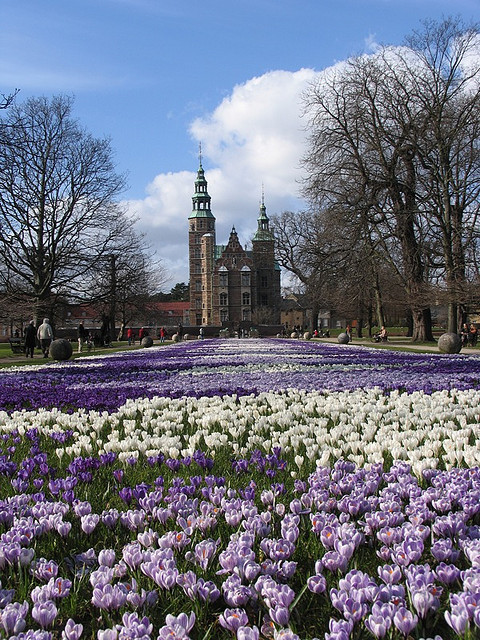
(16, 345)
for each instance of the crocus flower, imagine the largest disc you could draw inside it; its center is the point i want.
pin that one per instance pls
(458, 620)
(177, 627)
(72, 631)
(13, 617)
(404, 620)
(44, 613)
(232, 619)
(377, 625)
(317, 584)
(108, 597)
(248, 633)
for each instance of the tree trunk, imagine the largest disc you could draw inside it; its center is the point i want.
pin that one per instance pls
(452, 317)
(422, 325)
(360, 326)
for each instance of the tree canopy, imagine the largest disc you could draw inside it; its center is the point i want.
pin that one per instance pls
(393, 165)
(59, 214)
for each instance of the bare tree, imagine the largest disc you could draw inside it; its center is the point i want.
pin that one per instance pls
(394, 137)
(58, 215)
(7, 99)
(129, 277)
(360, 144)
(447, 86)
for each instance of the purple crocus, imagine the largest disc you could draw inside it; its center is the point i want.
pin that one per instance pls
(72, 631)
(108, 597)
(177, 627)
(13, 617)
(44, 613)
(204, 552)
(377, 625)
(232, 619)
(317, 584)
(88, 522)
(248, 633)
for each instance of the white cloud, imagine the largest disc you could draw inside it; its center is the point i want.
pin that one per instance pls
(254, 137)
(371, 44)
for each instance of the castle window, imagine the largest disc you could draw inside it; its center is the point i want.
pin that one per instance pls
(246, 298)
(246, 314)
(245, 279)
(196, 253)
(223, 279)
(264, 282)
(224, 315)
(198, 268)
(198, 285)
(223, 299)
(264, 300)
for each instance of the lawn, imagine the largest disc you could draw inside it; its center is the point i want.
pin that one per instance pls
(241, 489)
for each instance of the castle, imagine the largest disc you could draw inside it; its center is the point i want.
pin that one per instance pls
(230, 287)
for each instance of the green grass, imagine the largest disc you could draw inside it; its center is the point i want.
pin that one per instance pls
(9, 359)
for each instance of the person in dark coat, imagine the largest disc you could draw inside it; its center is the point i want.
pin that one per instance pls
(30, 339)
(82, 336)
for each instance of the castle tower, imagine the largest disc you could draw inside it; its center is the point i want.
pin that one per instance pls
(267, 272)
(201, 248)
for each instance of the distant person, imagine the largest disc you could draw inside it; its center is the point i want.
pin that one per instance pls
(130, 336)
(45, 336)
(473, 335)
(82, 336)
(30, 336)
(162, 334)
(464, 333)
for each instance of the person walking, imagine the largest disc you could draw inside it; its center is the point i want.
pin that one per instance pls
(82, 336)
(30, 337)
(45, 336)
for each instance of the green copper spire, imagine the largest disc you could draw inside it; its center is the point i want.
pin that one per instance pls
(263, 232)
(200, 199)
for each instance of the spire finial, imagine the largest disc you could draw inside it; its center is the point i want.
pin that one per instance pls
(263, 194)
(200, 153)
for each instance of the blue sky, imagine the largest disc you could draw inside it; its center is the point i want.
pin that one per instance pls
(160, 77)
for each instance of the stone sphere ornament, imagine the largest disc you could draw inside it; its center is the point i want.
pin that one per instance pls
(343, 338)
(449, 343)
(61, 349)
(307, 335)
(147, 341)
(294, 334)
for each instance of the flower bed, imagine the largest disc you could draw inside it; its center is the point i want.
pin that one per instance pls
(241, 488)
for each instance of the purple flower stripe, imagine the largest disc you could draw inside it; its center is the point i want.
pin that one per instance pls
(219, 367)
